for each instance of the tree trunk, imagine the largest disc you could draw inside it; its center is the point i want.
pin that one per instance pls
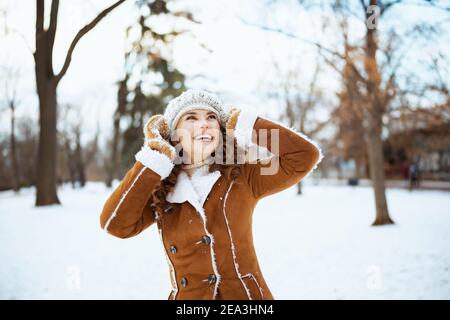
(114, 160)
(113, 166)
(15, 166)
(79, 161)
(47, 83)
(374, 114)
(46, 166)
(375, 151)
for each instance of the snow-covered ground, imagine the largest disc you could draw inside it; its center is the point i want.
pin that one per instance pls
(316, 246)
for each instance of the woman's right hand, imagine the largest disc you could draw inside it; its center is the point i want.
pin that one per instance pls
(157, 136)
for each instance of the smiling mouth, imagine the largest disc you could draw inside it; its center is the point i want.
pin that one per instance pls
(204, 138)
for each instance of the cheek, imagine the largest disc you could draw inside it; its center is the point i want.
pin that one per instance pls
(217, 139)
(216, 128)
(184, 135)
(218, 132)
(216, 143)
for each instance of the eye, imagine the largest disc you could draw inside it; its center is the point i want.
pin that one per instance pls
(213, 116)
(191, 118)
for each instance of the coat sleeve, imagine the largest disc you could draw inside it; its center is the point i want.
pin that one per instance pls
(127, 211)
(294, 155)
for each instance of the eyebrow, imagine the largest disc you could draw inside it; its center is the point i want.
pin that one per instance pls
(195, 113)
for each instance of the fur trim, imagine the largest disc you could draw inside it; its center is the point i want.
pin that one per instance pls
(213, 254)
(185, 190)
(233, 250)
(163, 147)
(185, 187)
(202, 181)
(173, 275)
(243, 131)
(114, 214)
(155, 161)
(252, 276)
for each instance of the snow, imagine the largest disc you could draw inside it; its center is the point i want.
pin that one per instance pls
(318, 246)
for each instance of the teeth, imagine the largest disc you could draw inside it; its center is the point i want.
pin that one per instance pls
(204, 137)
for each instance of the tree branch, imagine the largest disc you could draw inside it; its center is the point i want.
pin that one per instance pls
(53, 22)
(39, 21)
(39, 16)
(51, 32)
(388, 5)
(316, 44)
(363, 5)
(81, 33)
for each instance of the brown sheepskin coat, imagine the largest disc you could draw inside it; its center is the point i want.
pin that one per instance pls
(207, 229)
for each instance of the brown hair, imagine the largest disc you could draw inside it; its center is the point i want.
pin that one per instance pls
(230, 171)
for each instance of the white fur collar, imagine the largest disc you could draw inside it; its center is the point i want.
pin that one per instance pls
(194, 189)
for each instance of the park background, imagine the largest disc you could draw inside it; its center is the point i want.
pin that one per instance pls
(368, 80)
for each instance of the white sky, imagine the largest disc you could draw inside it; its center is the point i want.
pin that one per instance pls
(239, 68)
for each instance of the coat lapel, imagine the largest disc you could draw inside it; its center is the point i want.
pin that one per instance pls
(196, 189)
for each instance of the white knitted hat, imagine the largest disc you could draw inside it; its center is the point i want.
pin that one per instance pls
(194, 99)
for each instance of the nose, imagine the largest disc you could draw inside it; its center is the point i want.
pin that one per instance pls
(204, 124)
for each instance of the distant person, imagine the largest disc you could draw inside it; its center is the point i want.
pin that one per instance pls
(404, 170)
(413, 176)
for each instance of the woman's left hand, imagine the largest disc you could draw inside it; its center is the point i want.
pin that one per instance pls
(233, 116)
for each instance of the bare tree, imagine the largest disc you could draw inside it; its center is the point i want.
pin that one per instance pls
(149, 56)
(299, 104)
(74, 156)
(47, 82)
(112, 164)
(376, 92)
(9, 81)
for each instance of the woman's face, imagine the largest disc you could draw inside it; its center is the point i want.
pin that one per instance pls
(198, 132)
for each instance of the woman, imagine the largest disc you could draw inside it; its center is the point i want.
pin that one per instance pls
(202, 205)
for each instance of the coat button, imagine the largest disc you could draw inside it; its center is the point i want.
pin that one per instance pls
(212, 278)
(183, 282)
(168, 208)
(173, 249)
(206, 239)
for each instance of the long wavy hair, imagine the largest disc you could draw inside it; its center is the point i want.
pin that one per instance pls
(231, 171)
